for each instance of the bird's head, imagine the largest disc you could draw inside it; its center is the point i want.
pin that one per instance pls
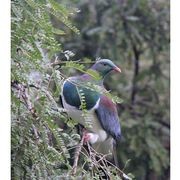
(105, 66)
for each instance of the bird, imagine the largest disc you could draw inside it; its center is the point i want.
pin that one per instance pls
(104, 130)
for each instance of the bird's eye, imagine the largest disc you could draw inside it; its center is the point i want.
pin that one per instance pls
(104, 64)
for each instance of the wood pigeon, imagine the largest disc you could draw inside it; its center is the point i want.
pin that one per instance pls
(105, 129)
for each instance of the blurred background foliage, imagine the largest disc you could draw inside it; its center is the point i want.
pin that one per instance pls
(134, 35)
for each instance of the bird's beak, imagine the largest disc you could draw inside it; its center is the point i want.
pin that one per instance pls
(117, 69)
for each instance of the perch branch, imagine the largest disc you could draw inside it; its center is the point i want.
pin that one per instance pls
(77, 153)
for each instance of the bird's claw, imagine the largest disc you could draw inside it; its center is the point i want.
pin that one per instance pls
(86, 137)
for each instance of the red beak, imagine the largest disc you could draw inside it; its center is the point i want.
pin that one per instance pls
(117, 69)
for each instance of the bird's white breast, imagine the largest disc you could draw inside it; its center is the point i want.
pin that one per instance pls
(95, 127)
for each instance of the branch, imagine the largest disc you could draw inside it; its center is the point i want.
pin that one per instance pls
(23, 94)
(77, 153)
(35, 133)
(136, 72)
(100, 161)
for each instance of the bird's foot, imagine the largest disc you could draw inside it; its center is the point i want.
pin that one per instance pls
(89, 137)
(86, 137)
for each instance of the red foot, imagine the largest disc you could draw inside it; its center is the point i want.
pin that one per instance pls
(86, 137)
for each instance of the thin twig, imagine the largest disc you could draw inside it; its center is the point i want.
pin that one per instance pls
(104, 161)
(58, 62)
(77, 153)
(36, 133)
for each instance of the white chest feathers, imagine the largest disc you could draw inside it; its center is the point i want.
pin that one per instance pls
(96, 132)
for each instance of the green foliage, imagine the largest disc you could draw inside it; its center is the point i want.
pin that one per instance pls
(39, 144)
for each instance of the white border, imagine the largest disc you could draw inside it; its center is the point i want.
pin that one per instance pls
(5, 90)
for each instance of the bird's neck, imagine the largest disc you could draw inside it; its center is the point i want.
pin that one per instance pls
(89, 78)
(102, 73)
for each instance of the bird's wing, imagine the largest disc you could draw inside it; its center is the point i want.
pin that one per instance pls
(108, 117)
(73, 91)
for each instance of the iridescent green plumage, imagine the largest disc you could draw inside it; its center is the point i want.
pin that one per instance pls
(74, 91)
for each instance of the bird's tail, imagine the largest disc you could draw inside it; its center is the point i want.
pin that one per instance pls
(115, 157)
